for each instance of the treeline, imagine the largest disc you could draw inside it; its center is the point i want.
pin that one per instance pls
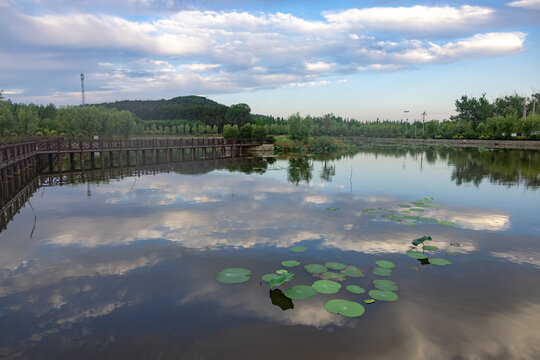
(477, 118)
(19, 120)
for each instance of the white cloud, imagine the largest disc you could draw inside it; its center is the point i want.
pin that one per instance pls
(427, 18)
(319, 66)
(479, 45)
(230, 51)
(527, 4)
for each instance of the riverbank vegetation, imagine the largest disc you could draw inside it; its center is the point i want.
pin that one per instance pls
(509, 117)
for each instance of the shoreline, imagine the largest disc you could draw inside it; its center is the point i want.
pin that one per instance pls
(463, 143)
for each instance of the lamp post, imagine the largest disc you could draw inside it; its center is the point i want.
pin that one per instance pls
(406, 120)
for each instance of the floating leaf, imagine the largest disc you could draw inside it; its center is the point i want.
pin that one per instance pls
(404, 205)
(300, 292)
(440, 262)
(428, 220)
(269, 277)
(385, 264)
(369, 301)
(344, 307)
(430, 248)
(326, 286)
(434, 205)
(281, 271)
(385, 285)
(410, 223)
(233, 275)
(298, 249)
(335, 265)
(290, 263)
(330, 275)
(332, 208)
(447, 223)
(352, 271)
(284, 276)
(429, 198)
(355, 289)
(384, 295)
(416, 209)
(382, 272)
(453, 253)
(315, 268)
(421, 240)
(416, 255)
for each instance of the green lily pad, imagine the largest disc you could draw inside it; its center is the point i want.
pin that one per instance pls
(410, 223)
(326, 286)
(330, 275)
(447, 223)
(416, 255)
(384, 295)
(332, 208)
(428, 220)
(352, 271)
(269, 277)
(417, 209)
(369, 301)
(300, 292)
(355, 289)
(344, 307)
(421, 240)
(404, 205)
(453, 253)
(385, 264)
(434, 205)
(430, 248)
(284, 276)
(382, 271)
(315, 268)
(290, 263)
(335, 265)
(429, 198)
(440, 262)
(233, 275)
(385, 285)
(298, 249)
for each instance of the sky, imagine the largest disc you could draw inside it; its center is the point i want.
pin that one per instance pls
(356, 59)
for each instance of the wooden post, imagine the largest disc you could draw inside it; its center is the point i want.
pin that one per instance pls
(154, 152)
(92, 159)
(137, 153)
(111, 159)
(102, 155)
(71, 161)
(81, 155)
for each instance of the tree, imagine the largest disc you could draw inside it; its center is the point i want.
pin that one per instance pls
(259, 132)
(300, 128)
(238, 114)
(474, 111)
(231, 131)
(245, 131)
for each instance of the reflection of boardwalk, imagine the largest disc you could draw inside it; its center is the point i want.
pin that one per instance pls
(19, 189)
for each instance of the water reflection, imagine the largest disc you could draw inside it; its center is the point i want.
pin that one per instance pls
(280, 300)
(129, 272)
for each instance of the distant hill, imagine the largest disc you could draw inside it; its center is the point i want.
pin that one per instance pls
(191, 108)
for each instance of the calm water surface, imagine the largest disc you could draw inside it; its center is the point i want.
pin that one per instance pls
(126, 268)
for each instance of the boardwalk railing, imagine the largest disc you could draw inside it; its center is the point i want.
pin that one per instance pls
(15, 156)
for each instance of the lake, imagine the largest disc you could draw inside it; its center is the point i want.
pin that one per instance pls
(122, 264)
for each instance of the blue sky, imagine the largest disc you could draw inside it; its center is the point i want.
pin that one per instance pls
(357, 59)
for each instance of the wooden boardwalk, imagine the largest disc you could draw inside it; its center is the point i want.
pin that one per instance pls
(15, 156)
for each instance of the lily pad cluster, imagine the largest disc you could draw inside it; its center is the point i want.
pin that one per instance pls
(403, 213)
(330, 273)
(420, 253)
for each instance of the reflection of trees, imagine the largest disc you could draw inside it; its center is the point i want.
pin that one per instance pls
(328, 170)
(299, 170)
(507, 167)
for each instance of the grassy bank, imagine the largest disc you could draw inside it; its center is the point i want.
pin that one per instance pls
(317, 144)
